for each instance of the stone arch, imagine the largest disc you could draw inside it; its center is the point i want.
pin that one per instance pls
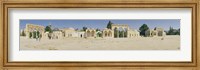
(106, 33)
(125, 32)
(88, 33)
(32, 28)
(110, 34)
(116, 32)
(120, 30)
(92, 33)
(81, 35)
(34, 34)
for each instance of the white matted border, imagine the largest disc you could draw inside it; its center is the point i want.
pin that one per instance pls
(184, 54)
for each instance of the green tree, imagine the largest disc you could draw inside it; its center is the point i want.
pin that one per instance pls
(121, 33)
(30, 34)
(99, 34)
(115, 32)
(97, 29)
(23, 33)
(173, 31)
(125, 33)
(109, 25)
(48, 29)
(170, 31)
(84, 28)
(143, 29)
(178, 33)
(34, 34)
(38, 34)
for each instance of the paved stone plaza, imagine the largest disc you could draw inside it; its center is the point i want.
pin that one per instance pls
(140, 43)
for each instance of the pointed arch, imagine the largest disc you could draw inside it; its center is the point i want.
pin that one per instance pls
(88, 33)
(92, 33)
(106, 33)
(110, 34)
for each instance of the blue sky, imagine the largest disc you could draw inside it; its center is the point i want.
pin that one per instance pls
(101, 24)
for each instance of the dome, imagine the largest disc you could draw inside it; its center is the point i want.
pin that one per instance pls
(71, 28)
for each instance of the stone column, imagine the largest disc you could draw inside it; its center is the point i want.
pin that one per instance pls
(127, 35)
(112, 34)
(95, 34)
(88, 33)
(104, 34)
(27, 34)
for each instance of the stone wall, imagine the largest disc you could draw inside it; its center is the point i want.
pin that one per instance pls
(30, 28)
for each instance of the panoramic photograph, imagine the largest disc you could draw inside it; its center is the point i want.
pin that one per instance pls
(100, 34)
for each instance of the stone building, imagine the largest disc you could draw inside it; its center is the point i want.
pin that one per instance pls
(117, 28)
(71, 32)
(151, 33)
(22, 32)
(90, 33)
(78, 34)
(57, 34)
(155, 32)
(68, 32)
(99, 33)
(107, 33)
(81, 34)
(110, 33)
(116, 31)
(160, 31)
(126, 31)
(30, 29)
(46, 35)
(133, 33)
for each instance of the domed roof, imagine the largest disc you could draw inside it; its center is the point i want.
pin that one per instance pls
(71, 28)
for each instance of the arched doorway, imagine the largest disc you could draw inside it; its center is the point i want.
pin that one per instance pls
(93, 33)
(116, 32)
(110, 34)
(106, 34)
(81, 36)
(88, 33)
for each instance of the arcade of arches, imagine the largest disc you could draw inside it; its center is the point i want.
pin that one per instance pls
(108, 33)
(116, 31)
(34, 31)
(90, 33)
(120, 30)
